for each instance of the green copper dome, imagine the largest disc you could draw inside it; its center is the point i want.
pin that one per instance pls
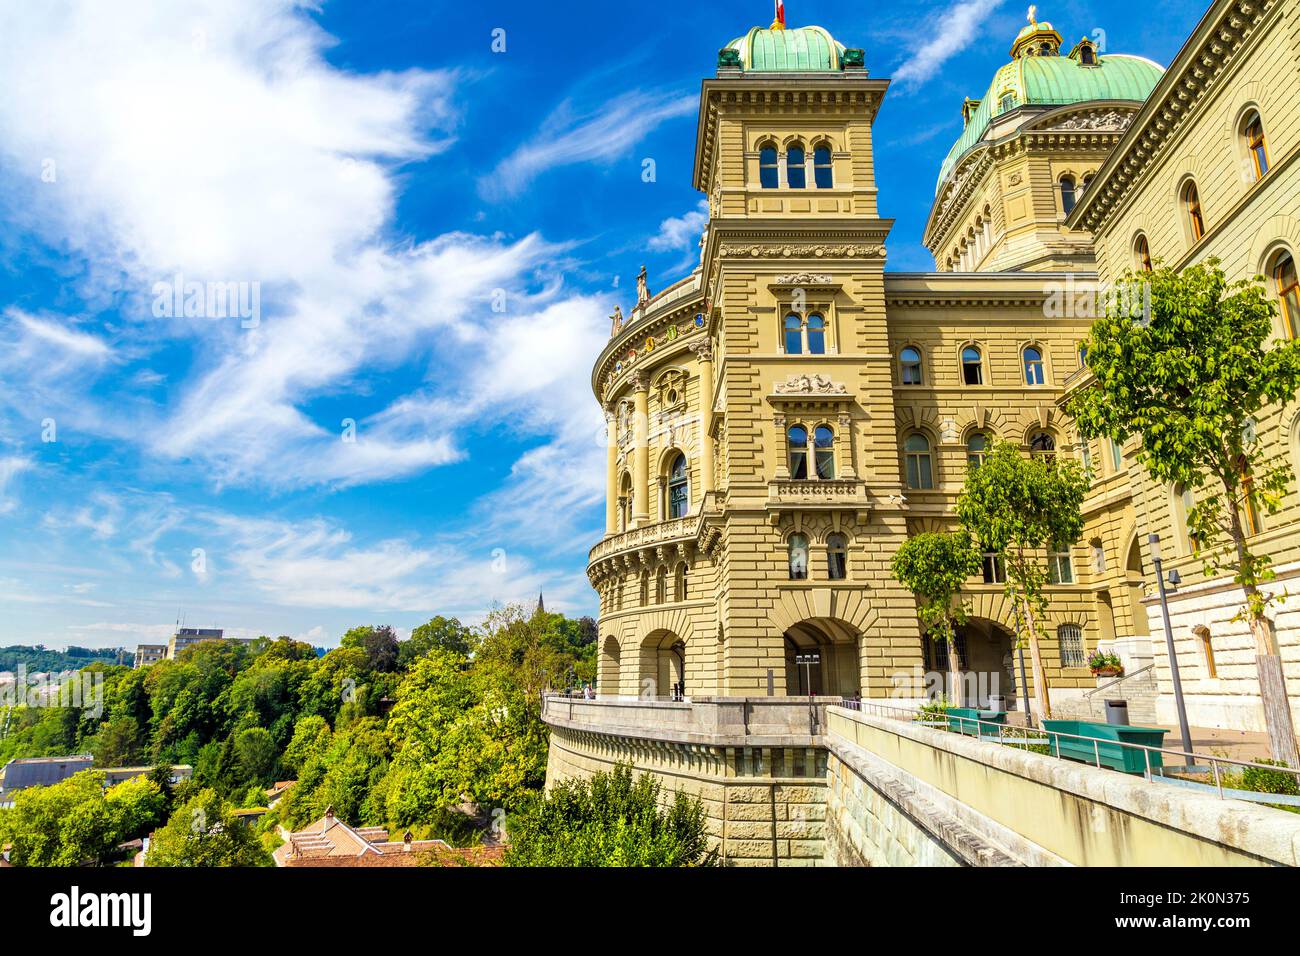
(1054, 81)
(801, 50)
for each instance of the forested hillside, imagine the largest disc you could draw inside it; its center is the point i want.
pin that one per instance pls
(388, 732)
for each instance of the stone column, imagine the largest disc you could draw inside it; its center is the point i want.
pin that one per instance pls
(704, 354)
(611, 473)
(641, 449)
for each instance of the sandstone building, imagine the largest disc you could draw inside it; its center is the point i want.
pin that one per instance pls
(784, 417)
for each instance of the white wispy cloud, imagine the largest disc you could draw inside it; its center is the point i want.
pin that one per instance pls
(568, 137)
(680, 232)
(306, 215)
(956, 28)
(10, 467)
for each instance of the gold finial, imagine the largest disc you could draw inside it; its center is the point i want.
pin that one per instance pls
(1033, 15)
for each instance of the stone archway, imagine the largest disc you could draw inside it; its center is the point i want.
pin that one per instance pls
(662, 671)
(607, 682)
(837, 671)
(988, 663)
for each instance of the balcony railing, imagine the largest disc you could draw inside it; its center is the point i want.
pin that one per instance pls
(650, 535)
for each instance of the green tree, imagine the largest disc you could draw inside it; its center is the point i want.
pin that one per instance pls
(205, 832)
(444, 633)
(118, 743)
(380, 645)
(258, 756)
(1017, 506)
(311, 738)
(933, 566)
(76, 822)
(1191, 379)
(609, 820)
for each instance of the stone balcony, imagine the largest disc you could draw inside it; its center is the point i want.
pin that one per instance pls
(808, 493)
(713, 721)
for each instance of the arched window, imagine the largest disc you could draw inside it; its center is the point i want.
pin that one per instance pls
(1067, 194)
(822, 172)
(798, 557)
(625, 502)
(1060, 570)
(679, 582)
(1184, 503)
(798, 441)
(1116, 456)
(796, 176)
(1070, 641)
(837, 556)
(977, 447)
(1033, 366)
(824, 450)
(1042, 445)
(1288, 293)
(661, 585)
(768, 173)
(1253, 134)
(816, 335)
(916, 455)
(645, 588)
(678, 499)
(1083, 185)
(909, 361)
(793, 334)
(1142, 253)
(1192, 210)
(1207, 651)
(972, 366)
(1086, 56)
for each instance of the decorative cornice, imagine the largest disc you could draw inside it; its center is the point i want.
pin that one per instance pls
(802, 384)
(1212, 49)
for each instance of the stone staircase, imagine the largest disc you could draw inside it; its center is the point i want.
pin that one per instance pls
(1138, 688)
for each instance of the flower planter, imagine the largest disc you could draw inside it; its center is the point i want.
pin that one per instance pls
(1108, 750)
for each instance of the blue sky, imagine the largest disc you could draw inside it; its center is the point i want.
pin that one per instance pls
(435, 233)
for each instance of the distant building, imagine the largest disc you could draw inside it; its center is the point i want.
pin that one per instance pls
(146, 654)
(331, 842)
(188, 636)
(24, 772)
(21, 773)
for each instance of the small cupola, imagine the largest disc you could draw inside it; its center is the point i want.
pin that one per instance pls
(1037, 39)
(1085, 53)
(968, 108)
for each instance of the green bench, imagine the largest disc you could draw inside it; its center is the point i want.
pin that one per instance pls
(968, 717)
(1107, 749)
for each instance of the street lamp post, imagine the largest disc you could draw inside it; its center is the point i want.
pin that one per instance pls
(808, 662)
(1154, 541)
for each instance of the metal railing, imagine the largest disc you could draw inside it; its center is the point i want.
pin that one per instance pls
(1052, 739)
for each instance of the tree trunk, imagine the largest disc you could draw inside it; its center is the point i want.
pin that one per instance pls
(954, 673)
(1041, 696)
(1268, 662)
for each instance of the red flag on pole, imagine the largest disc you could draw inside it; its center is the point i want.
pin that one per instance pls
(780, 12)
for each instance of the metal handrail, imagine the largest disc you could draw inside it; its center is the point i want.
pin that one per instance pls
(910, 716)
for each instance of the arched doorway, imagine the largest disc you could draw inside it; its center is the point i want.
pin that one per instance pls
(663, 666)
(1135, 579)
(836, 671)
(607, 679)
(986, 651)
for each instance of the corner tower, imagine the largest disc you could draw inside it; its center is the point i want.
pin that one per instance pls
(1030, 147)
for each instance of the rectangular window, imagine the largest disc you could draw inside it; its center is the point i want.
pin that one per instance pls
(995, 569)
(1059, 568)
(1070, 638)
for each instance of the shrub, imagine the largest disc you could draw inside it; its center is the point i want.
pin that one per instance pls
(609, 820)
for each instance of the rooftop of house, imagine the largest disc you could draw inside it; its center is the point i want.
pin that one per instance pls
(331, 842)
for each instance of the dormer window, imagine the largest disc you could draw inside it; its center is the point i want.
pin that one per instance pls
(1007, 102)
(1087, 56)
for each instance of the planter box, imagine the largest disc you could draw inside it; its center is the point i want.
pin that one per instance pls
(972, 714)
(1108, 750)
